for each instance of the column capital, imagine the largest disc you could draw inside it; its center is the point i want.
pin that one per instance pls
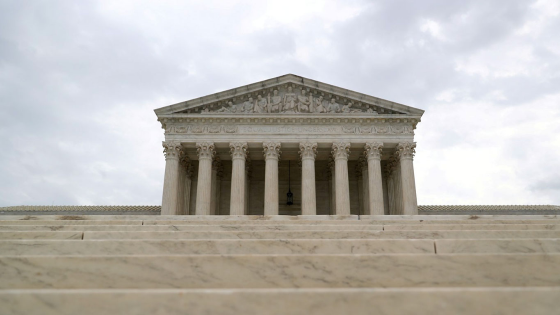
(406, 150)
(308, 150)
(373, 150)
(340, 150)
(171, 150)
(238, 150)
(205, 150)
(271, 150)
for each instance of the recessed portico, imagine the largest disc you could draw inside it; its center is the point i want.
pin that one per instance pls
(233, 159)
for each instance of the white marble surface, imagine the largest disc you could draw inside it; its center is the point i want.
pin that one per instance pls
(70, 222)
(498, 246)
(433, 227)
(214, 247)
(462, 218)
(318, 234)
(419, 301)
(277, 271)
(245, 227)
(41, 235)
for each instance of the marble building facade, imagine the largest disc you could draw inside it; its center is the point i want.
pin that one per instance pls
(239, 151)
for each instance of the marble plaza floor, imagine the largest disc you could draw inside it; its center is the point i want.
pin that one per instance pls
(145, 264)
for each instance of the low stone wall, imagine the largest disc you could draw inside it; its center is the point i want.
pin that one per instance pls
(81, 210)
(490, 209)
(155, 210)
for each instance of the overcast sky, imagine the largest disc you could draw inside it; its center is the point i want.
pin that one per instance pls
(79, 81)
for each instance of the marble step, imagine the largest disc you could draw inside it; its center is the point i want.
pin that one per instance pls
(315, 234)
(70, 222)
(279, 271)
(41, 235)
(497, 246)
(291, 227)
(278, 247)
(347, 222)
(276, 220)
(416, 218)
(214, 247)
(355, 301)
(433, 227)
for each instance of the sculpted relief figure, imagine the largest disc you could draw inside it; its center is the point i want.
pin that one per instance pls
(290, 100)
(248, 105)
(274, 102)
(348, 109)
(305, 103)
(370, 110)
(333, 107)
(319, 108)
(261, 105)
(230, 109)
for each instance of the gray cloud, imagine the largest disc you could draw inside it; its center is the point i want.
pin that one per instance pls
(79, 82)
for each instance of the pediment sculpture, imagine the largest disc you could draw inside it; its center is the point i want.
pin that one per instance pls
(291, 101)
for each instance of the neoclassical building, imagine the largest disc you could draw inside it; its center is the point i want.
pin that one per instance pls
(289, 145)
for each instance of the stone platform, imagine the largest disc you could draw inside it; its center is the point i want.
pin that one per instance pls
(144, 264)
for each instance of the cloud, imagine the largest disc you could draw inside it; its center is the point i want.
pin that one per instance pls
(79, 82)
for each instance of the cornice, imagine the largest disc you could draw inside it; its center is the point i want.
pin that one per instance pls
(285, 119)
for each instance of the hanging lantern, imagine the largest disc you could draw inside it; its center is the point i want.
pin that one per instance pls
(289, 195)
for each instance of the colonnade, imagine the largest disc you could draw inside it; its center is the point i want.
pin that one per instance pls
(399, 174)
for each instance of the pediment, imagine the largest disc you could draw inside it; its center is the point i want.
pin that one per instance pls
(288, 94)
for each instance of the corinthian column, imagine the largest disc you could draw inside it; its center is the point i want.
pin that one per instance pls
(308, 151)
(214, 191)
(271, 156)
(333, 186)
(340, 152)
(205, 151)
(375, 181)
(169, 202)
(405, 152)
(365, 184)
(187, 196)
(238, 154)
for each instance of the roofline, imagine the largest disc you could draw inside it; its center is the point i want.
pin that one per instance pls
(287, 78)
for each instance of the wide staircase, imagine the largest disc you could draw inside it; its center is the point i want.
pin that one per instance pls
(279, 265)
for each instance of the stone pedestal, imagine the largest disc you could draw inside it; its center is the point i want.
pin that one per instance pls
(239, 154)
(169, 202)
(205, 151)
(375, 181)
(308, 150)
(340, 152)
(405, 153)
(271, 155)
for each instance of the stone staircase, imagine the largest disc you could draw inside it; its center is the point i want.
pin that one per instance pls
(143, 264)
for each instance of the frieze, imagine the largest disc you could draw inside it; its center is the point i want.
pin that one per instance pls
(292, 129)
